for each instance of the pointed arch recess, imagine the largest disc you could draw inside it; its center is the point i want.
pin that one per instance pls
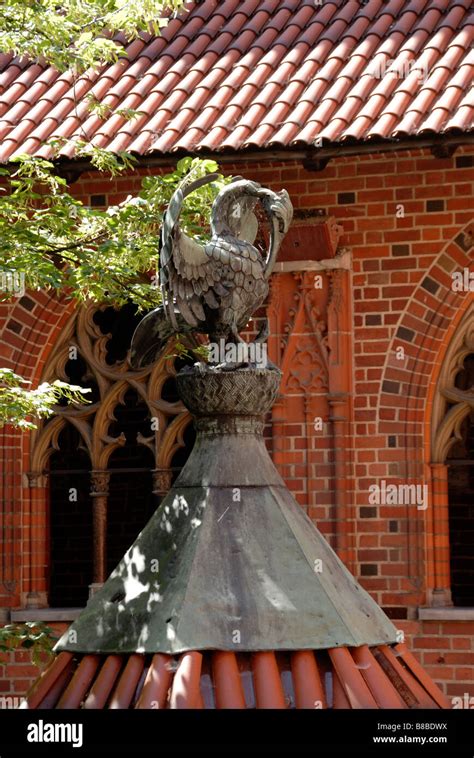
(407, 402)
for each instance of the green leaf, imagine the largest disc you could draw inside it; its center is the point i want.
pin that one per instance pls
(86, 253)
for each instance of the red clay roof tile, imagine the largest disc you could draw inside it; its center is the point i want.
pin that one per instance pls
(362, 677)
(258, 73)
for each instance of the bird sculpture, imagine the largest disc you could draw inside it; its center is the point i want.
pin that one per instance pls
(213, 288)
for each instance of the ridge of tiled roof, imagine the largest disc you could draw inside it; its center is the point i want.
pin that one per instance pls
(277, 74)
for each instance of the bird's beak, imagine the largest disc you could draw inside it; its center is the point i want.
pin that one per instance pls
(263, 192)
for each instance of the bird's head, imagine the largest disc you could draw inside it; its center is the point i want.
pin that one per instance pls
(278, 205)
(233, 209)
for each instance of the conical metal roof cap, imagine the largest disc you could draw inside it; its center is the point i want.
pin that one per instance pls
(229, 561)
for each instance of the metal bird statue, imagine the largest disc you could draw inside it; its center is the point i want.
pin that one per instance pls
(213, 288)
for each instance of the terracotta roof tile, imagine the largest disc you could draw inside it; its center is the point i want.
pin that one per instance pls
(12, 69)
(464, 114)
(362, 677)
(257, 73)
(20, 85)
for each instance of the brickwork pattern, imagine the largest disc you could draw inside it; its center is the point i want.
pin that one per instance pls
(407, 219)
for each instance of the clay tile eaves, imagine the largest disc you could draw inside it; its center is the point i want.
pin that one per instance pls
(240, 73)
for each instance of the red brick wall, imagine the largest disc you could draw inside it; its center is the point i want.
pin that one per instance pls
(446, 650)
(401, 297)
(17, 672)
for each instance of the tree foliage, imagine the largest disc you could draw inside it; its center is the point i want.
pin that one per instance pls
(32, 635)
(48, 238)
(78, 34)
(17, 403)
(56, 242)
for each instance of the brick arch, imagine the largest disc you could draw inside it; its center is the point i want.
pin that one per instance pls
(424, 331)
(452, 332)
(42, 324)
(32, 326)
(30, 331)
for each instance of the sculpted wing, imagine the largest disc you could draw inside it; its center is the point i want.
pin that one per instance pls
(220, 274)
(214, 287)
(227, 274)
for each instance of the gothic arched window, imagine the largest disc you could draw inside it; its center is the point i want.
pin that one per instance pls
(460, 463)
(453, 457)
(108, 463)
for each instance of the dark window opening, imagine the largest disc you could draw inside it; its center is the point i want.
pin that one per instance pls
(120, 325)
(131, 502)
(461, 501)
(132, 418)
(77, 372)
(70, 522)
(169, 391)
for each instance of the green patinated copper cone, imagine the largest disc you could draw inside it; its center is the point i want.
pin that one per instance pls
(229, 561)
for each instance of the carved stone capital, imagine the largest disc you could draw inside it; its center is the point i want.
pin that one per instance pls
(100, 483)
(37, 479)
(161, 480)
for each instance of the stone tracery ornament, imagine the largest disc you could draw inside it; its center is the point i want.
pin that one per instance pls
(93, 421)
(305, 359)
(452, 404)
(308, 371)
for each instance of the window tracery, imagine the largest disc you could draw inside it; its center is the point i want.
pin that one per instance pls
(128, 442)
